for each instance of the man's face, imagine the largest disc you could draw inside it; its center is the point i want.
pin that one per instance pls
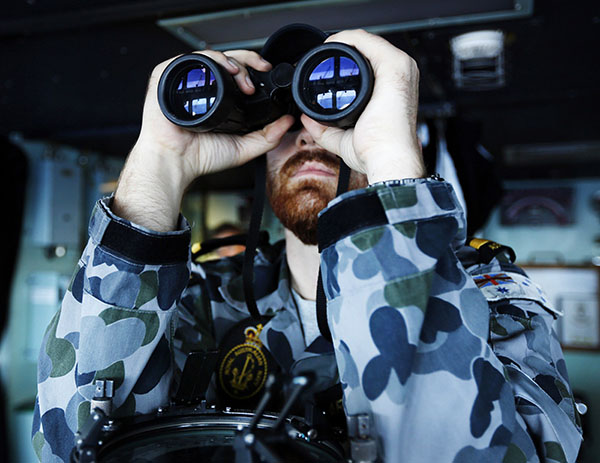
(301, 179)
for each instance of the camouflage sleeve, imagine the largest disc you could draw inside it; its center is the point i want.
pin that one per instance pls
(410, 330)
(523, 338)
(115, 321)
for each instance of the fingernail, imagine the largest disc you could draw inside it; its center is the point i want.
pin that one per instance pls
(233, 65)
(249, 81)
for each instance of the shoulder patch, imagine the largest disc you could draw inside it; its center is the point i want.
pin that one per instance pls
(510, 285)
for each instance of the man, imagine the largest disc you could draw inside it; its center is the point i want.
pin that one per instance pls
(226, 230)
(444, 374)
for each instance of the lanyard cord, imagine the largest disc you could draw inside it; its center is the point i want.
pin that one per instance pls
(253, 238)
(260, 168)
(343, 181)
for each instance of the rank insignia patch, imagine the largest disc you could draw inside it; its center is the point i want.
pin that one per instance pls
(512, 285)
(493, 279)
(245, 365)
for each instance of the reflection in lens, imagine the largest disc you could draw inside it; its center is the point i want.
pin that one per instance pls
(325, 100)
(348, 67)
(197, 92)
(199, 106)
(333, 83)
(196, 78)
(324, 70)
(344, 98)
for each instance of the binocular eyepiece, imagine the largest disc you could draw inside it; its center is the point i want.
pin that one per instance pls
(332, 84)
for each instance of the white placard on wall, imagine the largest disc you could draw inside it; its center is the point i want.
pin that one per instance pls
(576, 292)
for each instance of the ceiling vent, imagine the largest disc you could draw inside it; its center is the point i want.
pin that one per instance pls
(478, 60)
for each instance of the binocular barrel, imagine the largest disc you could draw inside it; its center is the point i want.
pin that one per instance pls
(332, 84)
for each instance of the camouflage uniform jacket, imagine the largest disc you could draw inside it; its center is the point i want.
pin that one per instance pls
(454, 360)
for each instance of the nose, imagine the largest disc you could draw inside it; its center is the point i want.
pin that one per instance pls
(304, 138)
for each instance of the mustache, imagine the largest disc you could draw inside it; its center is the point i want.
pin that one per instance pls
(320, 155)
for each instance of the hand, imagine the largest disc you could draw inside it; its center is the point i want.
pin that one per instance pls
(166, 158)
(207, 152)
(383, 144)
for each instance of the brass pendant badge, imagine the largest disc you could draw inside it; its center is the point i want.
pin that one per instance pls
(243, 370)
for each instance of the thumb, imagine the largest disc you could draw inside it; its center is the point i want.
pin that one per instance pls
(329, 138)
(333, 139)
(259, 142)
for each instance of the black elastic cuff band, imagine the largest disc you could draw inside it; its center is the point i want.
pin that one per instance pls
(144, 248)
(349, 216)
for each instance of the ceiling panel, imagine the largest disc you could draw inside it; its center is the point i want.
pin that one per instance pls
(221, 31)
(83, 83)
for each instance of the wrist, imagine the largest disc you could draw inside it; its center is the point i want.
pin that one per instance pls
(394, 167)
(150, 189)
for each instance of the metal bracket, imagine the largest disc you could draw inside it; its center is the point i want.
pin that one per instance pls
(103, 396)
(363, 448)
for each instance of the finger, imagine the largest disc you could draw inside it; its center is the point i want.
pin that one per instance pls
(242, 78)
(259, 142)
(222, 59)
(396, 73)
(250, 58)
(359, 38)
(236, 68)
(381, 54)
(245, 59)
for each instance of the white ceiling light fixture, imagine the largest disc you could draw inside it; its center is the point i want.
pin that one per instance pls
(478, 60)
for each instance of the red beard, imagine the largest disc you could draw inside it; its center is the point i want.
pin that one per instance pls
(297, 202)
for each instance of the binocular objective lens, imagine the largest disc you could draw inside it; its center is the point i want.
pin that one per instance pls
(333, 84)
(196, 92)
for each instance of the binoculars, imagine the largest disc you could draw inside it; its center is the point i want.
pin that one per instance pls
(331, 83)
